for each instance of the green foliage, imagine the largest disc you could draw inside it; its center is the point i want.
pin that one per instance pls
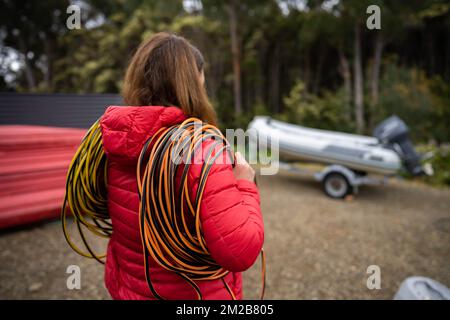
(440, 116)
(327, 112)
(422, 102)
(441, 165)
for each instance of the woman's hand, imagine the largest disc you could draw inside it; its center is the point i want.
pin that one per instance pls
(242, 170)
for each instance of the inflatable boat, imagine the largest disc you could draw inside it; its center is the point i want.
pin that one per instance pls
(386, 152)
(349, 158)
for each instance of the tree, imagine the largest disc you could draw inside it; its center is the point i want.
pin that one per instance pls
(236, 54)
(358, 80)
(32, 28)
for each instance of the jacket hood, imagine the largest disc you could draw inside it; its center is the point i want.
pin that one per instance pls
(126, 129)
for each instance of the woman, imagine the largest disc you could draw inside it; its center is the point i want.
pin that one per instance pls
(164, 85)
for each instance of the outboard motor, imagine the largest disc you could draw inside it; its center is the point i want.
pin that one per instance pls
(393, 133)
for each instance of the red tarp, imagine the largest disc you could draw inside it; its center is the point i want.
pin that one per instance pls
(33, 166)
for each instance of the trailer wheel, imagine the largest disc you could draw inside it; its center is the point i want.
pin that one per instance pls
(336, 185)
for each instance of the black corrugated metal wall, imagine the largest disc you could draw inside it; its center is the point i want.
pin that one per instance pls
(58, 109)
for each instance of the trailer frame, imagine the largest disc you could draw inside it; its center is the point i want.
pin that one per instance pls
(337, 180)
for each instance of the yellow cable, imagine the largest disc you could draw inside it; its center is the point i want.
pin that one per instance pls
(86, 193)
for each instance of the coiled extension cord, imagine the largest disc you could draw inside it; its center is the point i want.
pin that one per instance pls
(169, 221)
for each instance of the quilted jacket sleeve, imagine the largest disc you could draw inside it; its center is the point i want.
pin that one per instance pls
(231, 218)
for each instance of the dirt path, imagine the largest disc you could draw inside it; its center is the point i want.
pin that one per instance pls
(317, 248)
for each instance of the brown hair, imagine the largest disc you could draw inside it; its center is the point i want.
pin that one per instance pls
(165, 71)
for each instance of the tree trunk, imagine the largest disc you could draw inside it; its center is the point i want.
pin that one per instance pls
(344, 69)
(28, 71)
(375, 76)
(307, 68)
(235, 51)
(358, 82)
(48, 73)
(318, 74)
(447, 61)
(274, 80)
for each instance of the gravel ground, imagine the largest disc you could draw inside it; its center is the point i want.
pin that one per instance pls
(317, 248)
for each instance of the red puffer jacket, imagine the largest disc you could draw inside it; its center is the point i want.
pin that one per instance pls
(230, 213)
